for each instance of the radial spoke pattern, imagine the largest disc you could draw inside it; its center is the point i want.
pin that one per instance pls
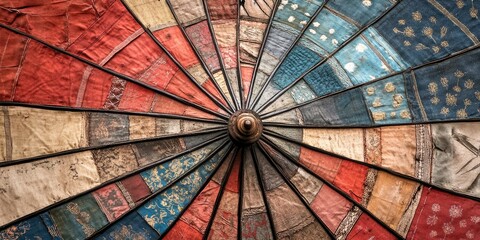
(250, 119)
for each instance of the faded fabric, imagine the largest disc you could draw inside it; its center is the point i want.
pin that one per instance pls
(173, 200)
(455, 157)
(111, 201)
(79, 218)
(35, 132)
(56, 178)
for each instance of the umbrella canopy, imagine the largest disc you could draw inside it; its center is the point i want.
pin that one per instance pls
(250, 119)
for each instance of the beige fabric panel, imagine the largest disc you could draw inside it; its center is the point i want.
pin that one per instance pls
(55, 178)
(283, 202)
(35, 132)
(257, 9)
(252, 195)
(154, 14)
(142, 127)
(225, 33)
(390, 198)
(399, 148)
(188, 11)
(345, 142)
(198, 73)
(307, 184)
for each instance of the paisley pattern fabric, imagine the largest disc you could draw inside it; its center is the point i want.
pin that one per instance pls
(249, 119)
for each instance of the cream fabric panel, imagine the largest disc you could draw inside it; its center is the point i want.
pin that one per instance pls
(28, 187)
(36, 132)
(345, 142)
(154, 14)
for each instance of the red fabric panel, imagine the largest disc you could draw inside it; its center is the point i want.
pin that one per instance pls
(111, 201)
(136, 187)
(331, 207)
(351, 178)
(323, 165)
(201, 37)
(200, 211)
(175, 42)
(167, 105)
(183, 231)
(222, 9)
(247, 74)
(367, 228)
(13, 48)
(210, 87)
(98, 88)
(56, 84)
(232, 183)
(346, 175)
(137, 98)
(441, 215)
(226, 219)
(57, 22)
(115, 40)
(183, 87)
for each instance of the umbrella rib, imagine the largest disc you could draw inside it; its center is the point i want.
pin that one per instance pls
(339, 191)
(218, 199)
(456, 54)
(110, 145)
(199, 56)
(284, 56)
(230, 152)
(164, 188)
(115, 73)
(369, 165)
(261, 50)
(240, 194)
(296, 191)
(113, 180)
(263, 191)
(351, 39)
(239, 72)
(160, 45)
(219, 55)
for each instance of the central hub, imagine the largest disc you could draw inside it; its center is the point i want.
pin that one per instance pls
(245, 127)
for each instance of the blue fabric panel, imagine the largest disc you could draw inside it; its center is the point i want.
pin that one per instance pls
(360, 62)
(387, 101)
(329, 31)
(323, 80)
(296, 13)
(161, 211)
(161, 175)
(79, 218)
(130, 227)
(296, 63)
(394, 61)
(32, 228)
(360, 11)
(467, 13)
(344, 109)
(52, 228)
(449, 90)
(301, 92)
(279, 40)
(426, 31)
